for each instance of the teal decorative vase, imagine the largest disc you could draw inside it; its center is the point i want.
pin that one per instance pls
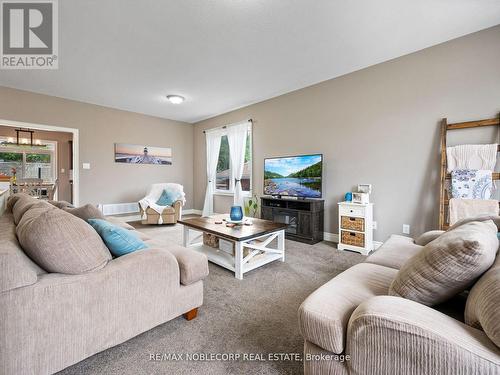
(236, 213)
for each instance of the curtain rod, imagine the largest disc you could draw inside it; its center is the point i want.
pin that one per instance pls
(225, 126)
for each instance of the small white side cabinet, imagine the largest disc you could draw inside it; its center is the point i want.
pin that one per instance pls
(356, 227)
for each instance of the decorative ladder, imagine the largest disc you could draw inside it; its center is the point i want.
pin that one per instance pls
(443, 196)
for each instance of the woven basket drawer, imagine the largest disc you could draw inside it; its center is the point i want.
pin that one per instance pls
(352, 223)
(210, 240)
(353, 238)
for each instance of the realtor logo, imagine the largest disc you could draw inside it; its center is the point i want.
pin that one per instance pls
(28, 34)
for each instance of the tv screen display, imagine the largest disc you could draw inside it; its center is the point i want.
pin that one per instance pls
(297, 176)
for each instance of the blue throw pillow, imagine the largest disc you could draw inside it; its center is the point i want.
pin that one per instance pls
(167, 198)
(119, 241)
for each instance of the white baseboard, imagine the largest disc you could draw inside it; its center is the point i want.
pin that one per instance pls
(334, 237)
(331, 237)
(192, 211)
(118, 208)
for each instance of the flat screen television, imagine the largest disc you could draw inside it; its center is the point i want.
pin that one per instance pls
(294, 176)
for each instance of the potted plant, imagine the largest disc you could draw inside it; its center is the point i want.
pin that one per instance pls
(13, 179)
(252, 206)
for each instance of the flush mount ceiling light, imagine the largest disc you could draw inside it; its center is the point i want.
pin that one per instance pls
(175, 99)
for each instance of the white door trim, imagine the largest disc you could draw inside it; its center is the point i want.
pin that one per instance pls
(76, 148)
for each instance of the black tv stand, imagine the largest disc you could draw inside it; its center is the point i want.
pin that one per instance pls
(305, 217)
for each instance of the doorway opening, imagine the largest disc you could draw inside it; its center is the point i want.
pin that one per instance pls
(42, 153)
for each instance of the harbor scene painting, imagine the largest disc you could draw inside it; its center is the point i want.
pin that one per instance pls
(299, 176)
(139, 154)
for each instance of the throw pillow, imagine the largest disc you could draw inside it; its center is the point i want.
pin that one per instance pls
(23, 204)
(119, 241)
(85, 212)
(427, 237)
(12, 200)
(495, 218)
(481, 310)
(60, 242)
(60, 204)
(166, 199)
(447, 265)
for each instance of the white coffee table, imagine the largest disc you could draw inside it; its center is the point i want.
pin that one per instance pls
(257, 237)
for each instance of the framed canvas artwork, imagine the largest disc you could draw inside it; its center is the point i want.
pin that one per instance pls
(140, 154)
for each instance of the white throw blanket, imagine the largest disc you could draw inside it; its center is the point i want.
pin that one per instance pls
(471, 157)
(464, 208)
(154, 193)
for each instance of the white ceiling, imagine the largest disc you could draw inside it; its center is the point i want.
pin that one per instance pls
(225, 54)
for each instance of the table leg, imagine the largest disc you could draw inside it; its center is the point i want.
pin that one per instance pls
(281, 243)
(238, 260)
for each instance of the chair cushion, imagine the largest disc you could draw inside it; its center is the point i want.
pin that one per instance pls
(482, 310)
(85, 212)
(119, 241)
(324, 315)
(394, 252)
(60, 242)
(448, 265)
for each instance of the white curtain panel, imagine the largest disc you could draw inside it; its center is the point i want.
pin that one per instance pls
(237, 137)
(213, 139)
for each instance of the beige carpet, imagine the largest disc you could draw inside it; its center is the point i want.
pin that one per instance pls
(255, 315)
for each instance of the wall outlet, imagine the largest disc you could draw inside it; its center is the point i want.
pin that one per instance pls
(406, 228)
(374, 225)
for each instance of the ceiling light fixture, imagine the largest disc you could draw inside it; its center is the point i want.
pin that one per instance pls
(175, 99)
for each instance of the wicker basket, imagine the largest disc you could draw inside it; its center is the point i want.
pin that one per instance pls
(211, 240)
(353, 238)
(353, 223)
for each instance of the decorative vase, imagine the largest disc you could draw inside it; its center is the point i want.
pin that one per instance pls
(236, 213)
(348, 197)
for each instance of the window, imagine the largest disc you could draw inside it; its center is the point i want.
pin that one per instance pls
(9, 160)
(224, 183)
(223, 166)
(38, 165)
(29, 162)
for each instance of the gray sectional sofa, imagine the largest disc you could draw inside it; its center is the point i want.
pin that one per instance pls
(49, 321)
(352, 325)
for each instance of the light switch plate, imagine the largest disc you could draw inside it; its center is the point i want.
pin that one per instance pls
(86, 165)
(374, 225)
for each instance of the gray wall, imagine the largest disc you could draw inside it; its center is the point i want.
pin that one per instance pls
(378, 125)
(100, 128)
